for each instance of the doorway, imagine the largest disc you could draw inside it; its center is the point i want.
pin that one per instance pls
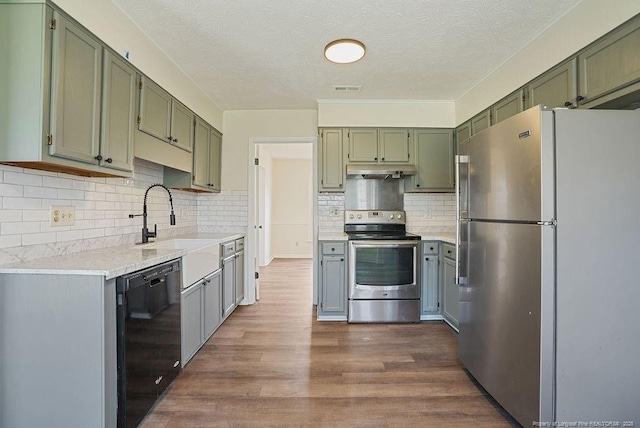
(282, 205)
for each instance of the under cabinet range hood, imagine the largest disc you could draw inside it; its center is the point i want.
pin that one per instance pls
(380, 171)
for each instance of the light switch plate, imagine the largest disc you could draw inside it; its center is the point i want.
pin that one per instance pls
(62, 216)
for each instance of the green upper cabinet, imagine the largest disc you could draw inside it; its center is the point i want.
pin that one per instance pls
(369, 145)
(434, 161)
(331, 160)
(76, 91)
(181, 125)
(463, 132)
(556, 88)
(155, 110)
(164, 117)
(215, 161)
(201, 154)
(394, 145)
(481, 121)
(206, 162)
(67, 100)
(118, 113)
(610, 68)
(507, 107)
(363, 145)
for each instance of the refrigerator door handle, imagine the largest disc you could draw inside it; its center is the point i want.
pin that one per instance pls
(460, 212)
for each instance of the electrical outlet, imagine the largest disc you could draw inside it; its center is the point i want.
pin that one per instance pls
(334, 212)
(62, 216)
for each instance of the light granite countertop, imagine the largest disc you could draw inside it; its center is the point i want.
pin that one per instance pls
(113, 261)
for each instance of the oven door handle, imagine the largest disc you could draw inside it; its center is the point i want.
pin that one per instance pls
(383, 287)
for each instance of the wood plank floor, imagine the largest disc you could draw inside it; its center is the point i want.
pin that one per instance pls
(273, 365)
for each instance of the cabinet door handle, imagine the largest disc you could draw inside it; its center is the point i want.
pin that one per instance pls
(176, 364)
(568, 104)
(175, 140)
(109, 160)
(426, 258)
(341, 260)
(375, 159)
(170, 139)
(579, 98)
(159, 380)
(382, 159)
(98, 158)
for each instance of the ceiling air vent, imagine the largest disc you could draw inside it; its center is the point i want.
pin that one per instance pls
(346, 88)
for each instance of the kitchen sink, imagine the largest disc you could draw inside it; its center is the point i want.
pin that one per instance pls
(202, 258)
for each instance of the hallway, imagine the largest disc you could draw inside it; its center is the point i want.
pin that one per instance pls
(273, 365)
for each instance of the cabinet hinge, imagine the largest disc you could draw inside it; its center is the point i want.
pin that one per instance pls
(49, 140)
(256, 161)
(257, 275)
(348, 155)
(321, 134)
(320, 262)
(408, 134)
(53, 24)
(140, 84)
(348, 134)
(524, 96)
(322, 181)
(139, 119)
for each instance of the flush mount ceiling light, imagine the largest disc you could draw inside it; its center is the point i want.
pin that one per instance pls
(344, 51)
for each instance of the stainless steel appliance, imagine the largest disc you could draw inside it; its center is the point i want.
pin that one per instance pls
(383, 267)
(148, 338)
(548, 240)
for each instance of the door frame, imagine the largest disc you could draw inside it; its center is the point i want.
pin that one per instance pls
(252, 227)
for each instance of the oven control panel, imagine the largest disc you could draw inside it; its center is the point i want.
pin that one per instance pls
(374, 217)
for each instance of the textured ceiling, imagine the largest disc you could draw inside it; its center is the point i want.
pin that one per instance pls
(264, 54)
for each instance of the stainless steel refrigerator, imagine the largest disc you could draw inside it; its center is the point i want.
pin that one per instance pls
(549, 235)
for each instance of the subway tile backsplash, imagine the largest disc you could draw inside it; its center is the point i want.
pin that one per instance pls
(102, 208)
(426, 212)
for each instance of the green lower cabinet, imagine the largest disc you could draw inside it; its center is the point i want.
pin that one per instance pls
(450, 290)
(429, 304)
(332, 302)
(191, 319)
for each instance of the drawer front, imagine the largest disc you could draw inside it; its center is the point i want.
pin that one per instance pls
(449, 251)
(228, 249)
(430, 248)
(329, 248)
(239, 244)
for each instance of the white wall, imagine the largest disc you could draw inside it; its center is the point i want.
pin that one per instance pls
(240, 125)
(291, 219)
(584, 24)
(115, 29)
(378, 113)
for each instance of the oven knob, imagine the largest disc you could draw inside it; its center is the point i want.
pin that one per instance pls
(359, 216)
(391, 216)
(351, 216)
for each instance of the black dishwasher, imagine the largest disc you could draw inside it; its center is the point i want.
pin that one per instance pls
(148, 338)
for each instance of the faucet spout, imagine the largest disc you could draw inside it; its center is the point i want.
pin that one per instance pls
(146, 234)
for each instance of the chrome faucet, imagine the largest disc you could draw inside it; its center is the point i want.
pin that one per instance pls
(145, 231)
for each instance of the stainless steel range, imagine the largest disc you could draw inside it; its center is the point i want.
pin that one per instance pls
(383, 267)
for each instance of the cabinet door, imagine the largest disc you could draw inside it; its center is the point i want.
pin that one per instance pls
(555, 88)
(212, 303)
(239, 277)
(610, 65)
(429, 302)
(155, 110)
(507, 107)
(331, 160)
(434, 160)
(118, 113)
(334, 287)
(463, 132)
(215, 165)
(394, 145)
(480, 121)
(363, 145)
(451, 291)
(191, 314)
(76, 80)
(228, 286)
(201, 154)
(181, 126)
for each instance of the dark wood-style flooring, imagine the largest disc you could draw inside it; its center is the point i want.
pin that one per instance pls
(273, 365)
